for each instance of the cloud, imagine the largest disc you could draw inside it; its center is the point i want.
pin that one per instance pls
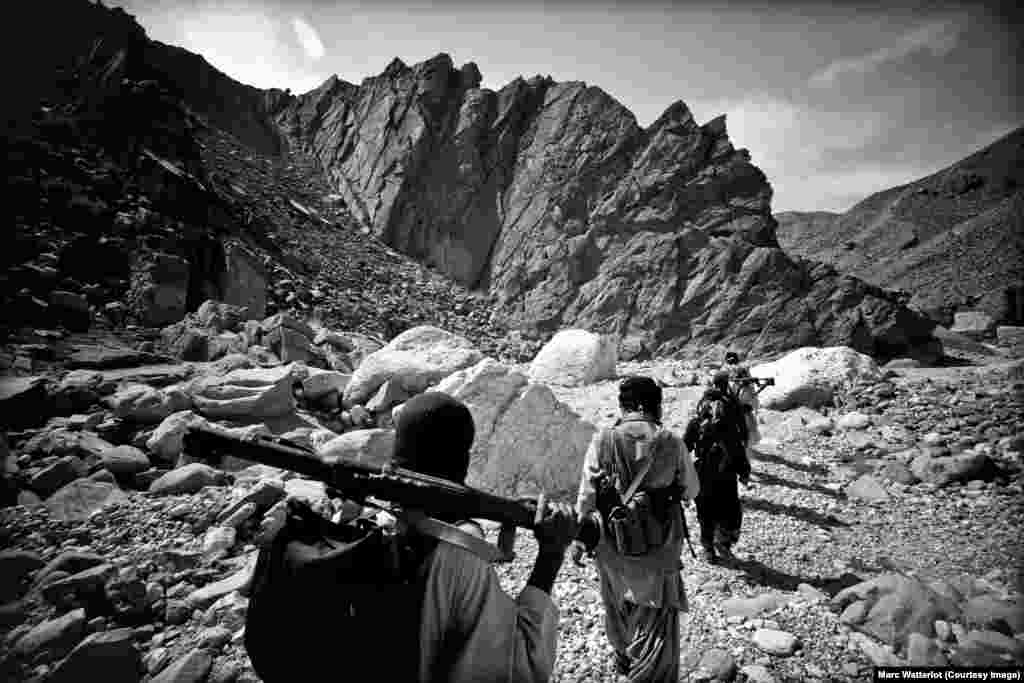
(938, 37)
(249, 45)
(799, 148)
(308, 38)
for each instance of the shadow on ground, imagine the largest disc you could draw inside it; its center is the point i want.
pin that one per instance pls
(771, 479)
(795, 511)
(779, 460)
(759, 574)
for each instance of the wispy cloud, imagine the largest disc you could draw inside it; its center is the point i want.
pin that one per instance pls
(250, 45)
(938, 37)
(309, 39)
(796, 145)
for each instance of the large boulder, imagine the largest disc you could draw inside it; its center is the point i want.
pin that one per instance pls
(947, 469)
(220, 316)
(319, 383)
(416, 359)
(143, 403)
(124, 462)
(86, 445)
(54, 637)
(24, 401)
(372, 446)
(159, 289)
(574, 358)
(188, 479)
(56, 475)
(167, 440)
(973, 324)
(526, 439)
(78, 391)
(245, 394)
(894, 606)
(244, 280)
(810, 376)
(81, 498)
(108, 656)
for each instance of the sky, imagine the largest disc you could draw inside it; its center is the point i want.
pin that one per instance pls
(834, 101)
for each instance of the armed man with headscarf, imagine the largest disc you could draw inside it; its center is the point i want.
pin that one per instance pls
(718, 436)
(468, 628)
(635, 475)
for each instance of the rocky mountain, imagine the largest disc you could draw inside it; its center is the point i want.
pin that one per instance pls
(952, 240)
(546, 199)
(551, 197)
(137, 195)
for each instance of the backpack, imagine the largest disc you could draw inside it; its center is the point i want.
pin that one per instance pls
(718, 434)
(328, 598)
(635, 519)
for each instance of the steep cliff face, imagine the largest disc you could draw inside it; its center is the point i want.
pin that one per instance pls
(550, 196)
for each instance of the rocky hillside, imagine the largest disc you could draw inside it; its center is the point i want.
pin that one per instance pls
(130, 208)
(545, 198)
(549, 196)
(952, 240)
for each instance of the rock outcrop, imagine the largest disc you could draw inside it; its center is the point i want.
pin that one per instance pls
(526, 439)
(552, 198)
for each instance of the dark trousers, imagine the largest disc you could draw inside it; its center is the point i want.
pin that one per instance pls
(719, 510)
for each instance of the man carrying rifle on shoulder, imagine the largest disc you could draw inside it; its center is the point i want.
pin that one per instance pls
(746, 389)
(449, 620)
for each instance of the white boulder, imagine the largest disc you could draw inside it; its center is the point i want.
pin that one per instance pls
(417, 358)
(526, 439)
(811, 375)
(322, 382)
(248, 393)
(371, 446)
(575, 358)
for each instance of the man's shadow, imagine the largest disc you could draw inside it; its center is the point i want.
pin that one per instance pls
(756, 573)
(776, 459)
(766, 478)
(795, 511)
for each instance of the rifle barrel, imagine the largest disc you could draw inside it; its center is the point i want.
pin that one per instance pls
(406, 487)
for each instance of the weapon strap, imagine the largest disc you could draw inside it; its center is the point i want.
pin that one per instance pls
(449, 533)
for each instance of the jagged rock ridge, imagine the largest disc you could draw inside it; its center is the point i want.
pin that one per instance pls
(550, 196)
(950, 240)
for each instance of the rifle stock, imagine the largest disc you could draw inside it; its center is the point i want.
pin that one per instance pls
(357, 481)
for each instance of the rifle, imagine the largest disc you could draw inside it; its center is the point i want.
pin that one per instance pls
(352, 480)
(761, 382)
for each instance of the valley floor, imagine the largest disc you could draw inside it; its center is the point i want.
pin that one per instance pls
(804, 539)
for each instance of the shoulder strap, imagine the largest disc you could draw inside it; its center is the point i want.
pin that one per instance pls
(628, 495)
(449, 533)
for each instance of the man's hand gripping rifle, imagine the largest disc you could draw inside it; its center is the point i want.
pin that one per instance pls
(358, 481)
(760, 382)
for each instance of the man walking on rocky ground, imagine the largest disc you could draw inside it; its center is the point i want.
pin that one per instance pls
(744, 387)
(718, 436)
(469, 629)
(635, 475)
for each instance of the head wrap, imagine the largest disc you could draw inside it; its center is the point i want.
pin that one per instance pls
(642, 392)
(721, 380)
(433, 435)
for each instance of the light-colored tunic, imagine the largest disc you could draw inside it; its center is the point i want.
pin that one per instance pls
(649, 580)
(473, 631)
(644, 595)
